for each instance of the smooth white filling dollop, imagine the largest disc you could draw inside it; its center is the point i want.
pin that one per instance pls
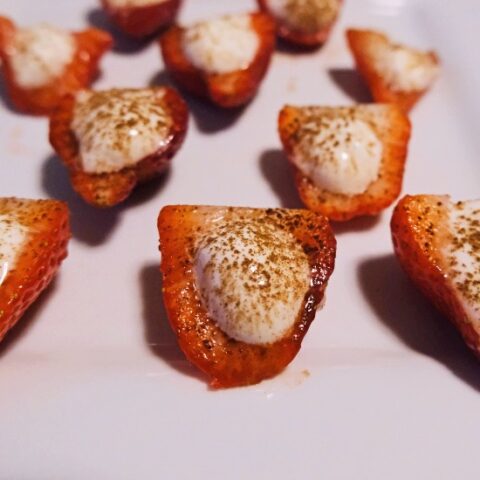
(406, 69)
(13, 235)
(222, 45)
(339, 154)
(116, 129)
(252, 279)
(305, 15)
(39, 55)
(463, 254)
(134, 3)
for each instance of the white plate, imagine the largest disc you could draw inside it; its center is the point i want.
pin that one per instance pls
(92, 383)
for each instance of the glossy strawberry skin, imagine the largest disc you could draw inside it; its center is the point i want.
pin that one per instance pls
(419, 233)
(91, 46)
(228, 90)
(39, 259)
(360, 41)
(108, 189)
(231, 363)
(395, 134)
(143, 21)
(297, 37)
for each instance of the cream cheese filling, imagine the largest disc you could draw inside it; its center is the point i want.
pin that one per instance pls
(117, 128)
(40, 54)
(252, 277)
(341, 154)
(222, 45)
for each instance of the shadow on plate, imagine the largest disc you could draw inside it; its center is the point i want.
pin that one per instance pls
(5, 97)
(351, 83)
(209, 118)
(158, 334)
(27, 320)
(89, 224)
(278, 172)
(404, 310)
(122, 43)
(360, 224)
(289, 48)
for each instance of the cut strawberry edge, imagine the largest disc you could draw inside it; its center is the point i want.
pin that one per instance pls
(228, 90)
(359, 41)
(82, 70)
(379, 195)
(108, 189)
(39, 258)
(419, 230)
(143, 21)
(295, 36)
(228, 362)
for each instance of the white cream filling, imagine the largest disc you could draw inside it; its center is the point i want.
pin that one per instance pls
(463, 255)
(252, 279)
(339, 154)
(134, 3)
(13, 235)
(39, 55)
(305, 15)
(116, 129)
(222, 45)
(406, 69)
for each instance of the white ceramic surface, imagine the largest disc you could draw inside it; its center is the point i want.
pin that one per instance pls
(92, 383)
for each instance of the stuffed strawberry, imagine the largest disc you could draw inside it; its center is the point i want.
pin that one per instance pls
(114, 139)
(241, 286)
(394, 73)
(437, 242)
(43, 63)
(347, 161)
(33, 242)
(223, 59)
(141, 18)
(306, 23)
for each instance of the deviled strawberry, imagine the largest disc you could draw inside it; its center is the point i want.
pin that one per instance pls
(394, 73)
(43, 63)
(437, 242)
(241, 286)
(112, 140)
(348, 161)
(141, 18)
(223, 59)
(33, 242)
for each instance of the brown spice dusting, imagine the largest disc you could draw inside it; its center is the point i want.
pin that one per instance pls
(311, 16)
(256, 270)
(465, 247)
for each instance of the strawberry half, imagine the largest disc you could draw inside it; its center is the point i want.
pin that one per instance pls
(306, 23)
(112, 140)
(43, 63)
(241, 285)
(141, 18)
(33, 242)
(224, 59)
(394, 73)
(437, 243)
(348, 161)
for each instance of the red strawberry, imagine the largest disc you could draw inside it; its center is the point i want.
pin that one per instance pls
(394, 73)
(313, 136)
(33, 242)
(241, 285)
(109, 134)
(437, 243)
(230, 88)
(89, 47)
(305, 23)
(141, 19)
